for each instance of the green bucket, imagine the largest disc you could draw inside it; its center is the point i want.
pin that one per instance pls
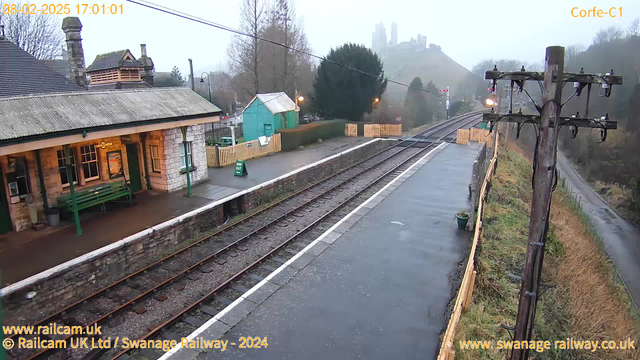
(462, 221)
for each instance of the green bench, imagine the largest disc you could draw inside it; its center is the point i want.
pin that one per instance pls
(96, 195)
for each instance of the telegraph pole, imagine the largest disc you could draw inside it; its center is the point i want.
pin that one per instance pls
(543, 181)
(548, 125)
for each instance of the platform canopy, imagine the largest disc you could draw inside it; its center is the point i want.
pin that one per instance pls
(52, 115)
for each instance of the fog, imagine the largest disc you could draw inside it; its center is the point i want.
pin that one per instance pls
(467, 31)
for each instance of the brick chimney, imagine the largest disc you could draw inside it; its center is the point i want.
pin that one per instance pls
(72, 28)
(148, 70)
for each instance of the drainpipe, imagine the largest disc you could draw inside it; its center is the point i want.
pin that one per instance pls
(186, 158)
(74, 202)
(43, 190)
(143, 139)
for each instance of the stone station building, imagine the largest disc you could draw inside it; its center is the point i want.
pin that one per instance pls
(135, 136)
(130, 135)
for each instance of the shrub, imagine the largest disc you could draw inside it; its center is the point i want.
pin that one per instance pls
(310, 133)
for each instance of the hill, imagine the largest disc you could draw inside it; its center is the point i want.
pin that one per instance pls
(405, 61)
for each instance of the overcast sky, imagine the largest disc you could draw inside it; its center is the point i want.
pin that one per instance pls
(468, 31)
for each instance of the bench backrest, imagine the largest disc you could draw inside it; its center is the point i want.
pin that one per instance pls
(95, 192)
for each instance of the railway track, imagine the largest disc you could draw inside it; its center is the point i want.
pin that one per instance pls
(150, 302)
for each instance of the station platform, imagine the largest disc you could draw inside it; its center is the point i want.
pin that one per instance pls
(376, 285)
(269, 167)
(29, 252)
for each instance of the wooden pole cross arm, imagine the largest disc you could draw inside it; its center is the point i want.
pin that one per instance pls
(564, 120)
(566, 77)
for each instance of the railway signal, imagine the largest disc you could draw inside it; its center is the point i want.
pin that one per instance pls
(548, 125)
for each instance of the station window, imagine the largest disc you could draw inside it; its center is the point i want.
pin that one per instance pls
(155, 157)
(18, 176)
(62, 165)
(183, 166)
(22, 176)
(89, 159)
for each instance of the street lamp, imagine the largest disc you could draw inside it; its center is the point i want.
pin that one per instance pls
(208, 81)
(299, 98)
(373, 110)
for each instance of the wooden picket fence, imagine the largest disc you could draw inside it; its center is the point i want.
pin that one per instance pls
(462, 137)
(371, 130)
(481, 136)
(465, 292)
(473, 134)
(351, 130)
(225, 156)
(378, 130)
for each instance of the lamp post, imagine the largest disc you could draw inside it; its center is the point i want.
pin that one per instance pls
(373, 110)
(299, 99)
(208, 81)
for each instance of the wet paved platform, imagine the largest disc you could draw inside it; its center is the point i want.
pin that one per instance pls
(270, 167)
(29, 252)
(374, 286)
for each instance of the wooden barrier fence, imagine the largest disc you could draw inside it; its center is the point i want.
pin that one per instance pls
(371, 130)
(245, 151)
(464, 297)
(473, 134)
(462, 137)
(351, 130)
(378, 130)
(481, 136)
(390, 130)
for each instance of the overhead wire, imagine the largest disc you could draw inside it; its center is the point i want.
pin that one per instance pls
(190, 17)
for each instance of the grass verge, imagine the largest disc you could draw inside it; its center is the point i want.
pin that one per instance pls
(584, 304)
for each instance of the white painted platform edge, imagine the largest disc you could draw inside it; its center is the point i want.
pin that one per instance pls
(121, 243)
(256, 287)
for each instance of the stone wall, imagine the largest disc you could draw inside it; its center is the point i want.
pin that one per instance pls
(307, 177)
(176, 176)
(157, 178)
(170, 177)
(94, 273)
(51, 174)
(19, 211)
(97, 270)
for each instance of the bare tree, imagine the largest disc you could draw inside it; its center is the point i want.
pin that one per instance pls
(244, 51)
(39, 35)
(572, 52)
(609, 34)
(288, 69)
(634, 28)
(220, 81)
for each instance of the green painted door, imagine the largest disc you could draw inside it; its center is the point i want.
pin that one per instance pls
(134, 167)
(5, 218)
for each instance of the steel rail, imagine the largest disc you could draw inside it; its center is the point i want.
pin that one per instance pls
(122, 307)
(218, 232)
(242, 272)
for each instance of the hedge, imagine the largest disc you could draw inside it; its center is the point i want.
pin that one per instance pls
(310, 133)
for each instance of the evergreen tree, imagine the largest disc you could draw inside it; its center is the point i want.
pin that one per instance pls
(176, 75)
(344, 93)
(416, 105)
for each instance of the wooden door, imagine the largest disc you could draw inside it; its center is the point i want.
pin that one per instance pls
(134, 167)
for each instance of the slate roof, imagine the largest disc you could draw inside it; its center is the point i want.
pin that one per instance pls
(276, 102)
(113, 60)
(61, 114)
(61, 66)
(23, 74)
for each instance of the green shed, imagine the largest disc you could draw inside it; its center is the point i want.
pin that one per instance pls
(267, 113)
